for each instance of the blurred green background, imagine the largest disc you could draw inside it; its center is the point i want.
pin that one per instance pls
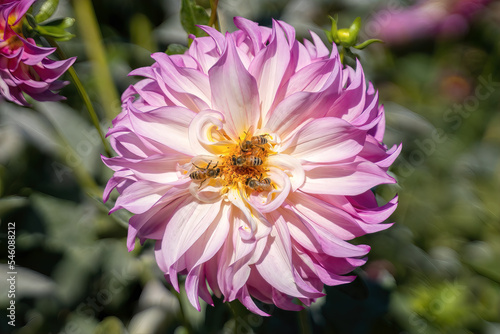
(437, 270)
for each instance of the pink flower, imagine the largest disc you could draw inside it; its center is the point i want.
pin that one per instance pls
(250, 159)
(24, 66)
(425, 19)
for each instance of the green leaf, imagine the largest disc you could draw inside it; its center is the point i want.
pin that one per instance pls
(354, 29)
(366, 43)
(121, 216)
(57, 29)
(10, 203)
(31, 20)
(110, 325)
(333, 31)
(191, 15)
(329, 36)
(175, 49)
(46, 10)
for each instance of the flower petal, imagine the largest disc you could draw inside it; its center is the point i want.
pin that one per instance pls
(326, 140)
(183, 79)
(269, 201)
(234, 92)
(140, 196)
(291, 166)
(276, 267)
(203, 133)
(159, 169)
(166, 125)
(344, 179)
(189, 222)
(269, 67)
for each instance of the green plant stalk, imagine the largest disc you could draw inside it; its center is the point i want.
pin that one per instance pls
(305, 327)
(182, 313)
(213, 21)
(85, 97)
(83, 177)
(92, 39)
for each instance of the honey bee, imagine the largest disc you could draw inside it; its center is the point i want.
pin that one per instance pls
(246, 161)
(202, 174)
(259, 184)
(259, 141)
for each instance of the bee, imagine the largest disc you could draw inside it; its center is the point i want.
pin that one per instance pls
(202, 174)
(259, 184)
(246, 161)
(259, 141)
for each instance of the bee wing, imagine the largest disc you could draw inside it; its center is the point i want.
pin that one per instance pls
(250, 130)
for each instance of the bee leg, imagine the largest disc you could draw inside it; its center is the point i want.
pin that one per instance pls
(197, 166)
(208, 166)
(201, 183)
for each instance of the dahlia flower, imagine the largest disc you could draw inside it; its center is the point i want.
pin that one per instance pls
(24, 66)
(250, 159)
(425, 19)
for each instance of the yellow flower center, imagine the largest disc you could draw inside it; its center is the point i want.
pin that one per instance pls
(13, 41)
(241, 165)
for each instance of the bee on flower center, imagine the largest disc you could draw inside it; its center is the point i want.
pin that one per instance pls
(259, 184)
(202, 174)
(255, 141)
(246, 161)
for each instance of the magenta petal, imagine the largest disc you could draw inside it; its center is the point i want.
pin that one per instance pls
(25, 66)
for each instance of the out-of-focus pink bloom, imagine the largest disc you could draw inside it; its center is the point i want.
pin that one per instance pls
(427, 18)
(24, 66)
(250, 159)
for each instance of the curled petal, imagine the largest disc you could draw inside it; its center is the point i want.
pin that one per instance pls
(291, 166)
(269, 201)
(255, 224)
(203, 133)
(206, 193)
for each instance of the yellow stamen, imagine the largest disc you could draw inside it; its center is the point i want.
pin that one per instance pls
(234, 176)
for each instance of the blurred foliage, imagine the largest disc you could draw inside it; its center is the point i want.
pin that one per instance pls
(435, 271)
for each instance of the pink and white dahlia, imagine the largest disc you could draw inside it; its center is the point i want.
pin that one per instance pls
(250, 159)
(24, 66)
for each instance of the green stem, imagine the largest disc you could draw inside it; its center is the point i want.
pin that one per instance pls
(213, 15)
(84, 95)
(341, 53)
(182, 314)
(91, 36)
(83, 177)
(234, 311)
(305, 327)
